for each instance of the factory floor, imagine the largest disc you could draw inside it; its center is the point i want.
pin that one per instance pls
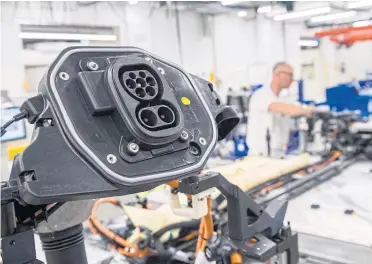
(335, 219)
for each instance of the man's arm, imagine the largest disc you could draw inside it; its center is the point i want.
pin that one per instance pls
(290, 109)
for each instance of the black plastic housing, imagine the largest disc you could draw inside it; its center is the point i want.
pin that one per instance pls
(97, 137)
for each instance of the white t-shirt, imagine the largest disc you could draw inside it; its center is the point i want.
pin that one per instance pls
(260, 120)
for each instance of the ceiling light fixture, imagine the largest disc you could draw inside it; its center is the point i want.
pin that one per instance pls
(304, 13)
(66, 36)
(359, 4)
(242, 14)
(276, 11)
(333, 16)
(133, 2)
(229, 2)
(264, 9)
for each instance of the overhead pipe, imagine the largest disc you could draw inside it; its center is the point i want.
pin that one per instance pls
(351, 37)
(338, 31)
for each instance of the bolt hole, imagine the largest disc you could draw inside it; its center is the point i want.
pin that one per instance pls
(141, 83)
(132, 75)
(140, 92)
(150, 81)
(194, 149)
(148, 118)
(130, 83)
(64, 76)
(218, 102)
(166, 114)
(142, 74)
(150, 91)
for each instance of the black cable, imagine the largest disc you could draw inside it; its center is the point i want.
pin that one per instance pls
(15, 118)
(188, 224)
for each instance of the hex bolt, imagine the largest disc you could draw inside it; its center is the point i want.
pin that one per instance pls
(92, 66)
(111, 158)
(64, 76)
(202, 141)
(133, 148)
(184, 136)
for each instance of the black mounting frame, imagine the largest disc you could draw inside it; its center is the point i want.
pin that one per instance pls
(247, 219)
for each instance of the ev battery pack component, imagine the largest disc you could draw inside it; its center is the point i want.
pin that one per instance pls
(99, 126)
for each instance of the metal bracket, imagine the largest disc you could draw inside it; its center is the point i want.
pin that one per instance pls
(199, 204)
(247, 219)
(19, 248)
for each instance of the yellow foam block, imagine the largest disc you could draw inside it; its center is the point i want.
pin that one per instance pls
(254, 171)
(153, 219)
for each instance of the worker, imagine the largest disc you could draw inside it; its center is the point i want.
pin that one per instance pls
(269, 116)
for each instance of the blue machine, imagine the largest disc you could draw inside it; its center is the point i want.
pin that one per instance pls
(240, 147)
(352, 96)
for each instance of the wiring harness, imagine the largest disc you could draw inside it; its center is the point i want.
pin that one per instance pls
(142, 243)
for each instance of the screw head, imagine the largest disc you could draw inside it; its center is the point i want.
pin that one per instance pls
(111, 158)
(92, 66)
(184, 135)
(202, 141)
(64, 76)
(161, 70)
(133, 148)
(149, 59)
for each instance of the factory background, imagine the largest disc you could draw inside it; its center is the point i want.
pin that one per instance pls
(237, 50)
(243, 50)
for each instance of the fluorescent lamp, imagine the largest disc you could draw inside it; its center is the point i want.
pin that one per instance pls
(359, 4)
(304, 13)
(230, 2)
(264, 9)
(362, 23)
(276, 11)
(333, 16)
(132, 2)
(242, 13)
(66, 36)
(308, 43)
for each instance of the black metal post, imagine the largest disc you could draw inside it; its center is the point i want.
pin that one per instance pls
(8, 222)
(17, 243)
(65, 246)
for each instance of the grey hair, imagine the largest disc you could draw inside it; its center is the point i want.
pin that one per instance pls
(279, 64)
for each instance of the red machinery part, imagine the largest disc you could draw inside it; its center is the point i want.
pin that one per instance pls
(338, 31)
(353, 36)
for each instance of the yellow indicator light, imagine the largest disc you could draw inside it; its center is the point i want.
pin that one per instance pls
(185, 101)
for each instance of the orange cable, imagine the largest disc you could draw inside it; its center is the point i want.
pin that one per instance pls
(236, 258)
(96, 226)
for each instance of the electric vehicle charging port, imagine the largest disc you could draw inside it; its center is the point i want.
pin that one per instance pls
(157, 117)
(141, 84)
